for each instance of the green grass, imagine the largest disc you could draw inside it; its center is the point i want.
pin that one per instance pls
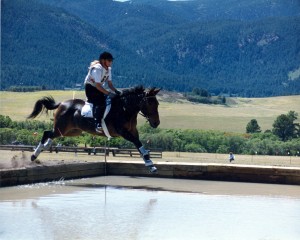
(232, 118)
(175, 114)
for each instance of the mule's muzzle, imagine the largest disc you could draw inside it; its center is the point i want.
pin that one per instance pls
(154, 124)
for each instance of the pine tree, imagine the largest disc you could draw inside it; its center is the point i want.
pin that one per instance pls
(253, 127)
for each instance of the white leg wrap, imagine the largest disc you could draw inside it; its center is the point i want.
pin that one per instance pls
(148, 163)
(48, 144)
(38, 149)
(144, 152)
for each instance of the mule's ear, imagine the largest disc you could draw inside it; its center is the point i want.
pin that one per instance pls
(156, 90)
(153, 91)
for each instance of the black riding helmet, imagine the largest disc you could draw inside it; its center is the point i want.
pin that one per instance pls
(106, 56)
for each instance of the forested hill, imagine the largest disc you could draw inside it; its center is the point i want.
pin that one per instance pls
(43, 45)
(249, 48)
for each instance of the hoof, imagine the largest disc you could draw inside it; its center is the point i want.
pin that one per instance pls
(152, 169)
(148, 163)
(33, 157)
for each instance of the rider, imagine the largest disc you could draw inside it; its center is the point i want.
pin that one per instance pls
(99, 88)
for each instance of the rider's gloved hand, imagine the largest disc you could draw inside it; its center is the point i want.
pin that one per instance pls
(112, 95)
(119, 93)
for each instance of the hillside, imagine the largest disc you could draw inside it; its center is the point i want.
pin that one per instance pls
(55, 48)
(217, 10)
(235, 47)
(175, 112)
(248, 49)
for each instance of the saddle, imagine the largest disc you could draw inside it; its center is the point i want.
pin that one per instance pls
(87, 110)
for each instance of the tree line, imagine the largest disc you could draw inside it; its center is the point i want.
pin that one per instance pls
(284, 127)
(283, 139)
(201, 95)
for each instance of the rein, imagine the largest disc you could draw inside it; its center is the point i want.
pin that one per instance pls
(143, 99)
(147, 118)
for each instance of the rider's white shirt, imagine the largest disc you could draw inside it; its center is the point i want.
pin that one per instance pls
(98, 74)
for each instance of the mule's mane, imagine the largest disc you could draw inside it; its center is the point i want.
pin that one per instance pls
(133, 91)
(131, 98)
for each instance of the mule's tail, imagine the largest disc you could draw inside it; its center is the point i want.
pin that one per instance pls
(43, 104)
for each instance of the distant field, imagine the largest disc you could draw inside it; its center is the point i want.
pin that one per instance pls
(176, 113)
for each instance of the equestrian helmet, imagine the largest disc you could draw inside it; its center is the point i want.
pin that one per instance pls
(106, 56)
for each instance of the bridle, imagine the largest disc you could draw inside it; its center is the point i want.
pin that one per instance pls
(144, 100)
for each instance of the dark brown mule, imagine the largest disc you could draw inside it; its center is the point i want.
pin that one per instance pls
(121, 120)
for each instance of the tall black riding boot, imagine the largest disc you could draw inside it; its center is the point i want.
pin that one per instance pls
(98, 112)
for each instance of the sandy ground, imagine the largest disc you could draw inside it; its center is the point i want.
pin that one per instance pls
(19, 159)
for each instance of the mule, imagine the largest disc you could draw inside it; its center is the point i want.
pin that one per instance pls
(121, 120)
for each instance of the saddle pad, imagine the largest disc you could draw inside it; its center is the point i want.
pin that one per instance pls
(87, 110)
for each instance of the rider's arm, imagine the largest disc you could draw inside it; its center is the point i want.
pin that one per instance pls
(111, 86)
(101, 89)
(110, 83)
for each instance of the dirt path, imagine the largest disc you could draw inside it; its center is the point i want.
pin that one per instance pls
(17, 159)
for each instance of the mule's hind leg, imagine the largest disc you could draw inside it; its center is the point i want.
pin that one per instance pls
(44, 144)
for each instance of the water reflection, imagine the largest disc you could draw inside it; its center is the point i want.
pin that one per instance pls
(119, 213)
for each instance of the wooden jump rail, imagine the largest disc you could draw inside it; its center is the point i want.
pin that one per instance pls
(56, 149)
(89, 150)
(17, 147)
(154, 153)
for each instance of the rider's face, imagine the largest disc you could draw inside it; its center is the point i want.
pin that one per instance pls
(107, 63)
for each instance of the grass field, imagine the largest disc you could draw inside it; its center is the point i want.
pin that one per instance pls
(175, 112)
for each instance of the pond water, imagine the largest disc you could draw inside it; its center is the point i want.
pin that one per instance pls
(68, 210)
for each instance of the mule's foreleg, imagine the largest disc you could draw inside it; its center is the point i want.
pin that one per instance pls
(146, 157)
(145, 153)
